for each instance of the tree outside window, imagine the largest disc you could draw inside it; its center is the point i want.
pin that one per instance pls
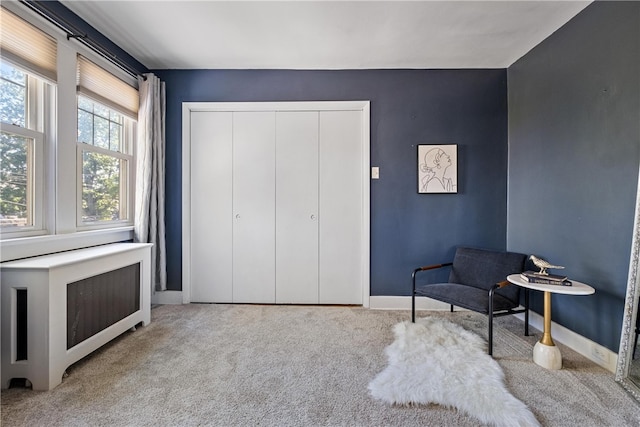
(105, 162)
(16, 152)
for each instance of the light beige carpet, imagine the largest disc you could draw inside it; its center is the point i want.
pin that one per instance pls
(244, 365)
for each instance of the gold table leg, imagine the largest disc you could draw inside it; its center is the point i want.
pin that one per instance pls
(545, 352)
(546, 335)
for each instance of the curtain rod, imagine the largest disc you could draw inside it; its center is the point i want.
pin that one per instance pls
(74, 33)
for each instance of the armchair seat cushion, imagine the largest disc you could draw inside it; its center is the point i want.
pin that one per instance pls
(483, 269)
(468, 297)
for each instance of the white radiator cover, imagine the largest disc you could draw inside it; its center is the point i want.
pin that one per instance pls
(45, 278)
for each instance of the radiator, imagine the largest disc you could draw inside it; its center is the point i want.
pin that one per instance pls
(58, 308)
(95, 303)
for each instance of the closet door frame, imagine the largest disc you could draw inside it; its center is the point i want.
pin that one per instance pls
(188, 107)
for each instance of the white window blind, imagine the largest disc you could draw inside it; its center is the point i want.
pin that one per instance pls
(26, 46)
(103, 87)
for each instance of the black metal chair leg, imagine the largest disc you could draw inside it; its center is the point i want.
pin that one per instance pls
(491, 321)
(526, 312)
(413, 295)
(413, 308)
(491, 333)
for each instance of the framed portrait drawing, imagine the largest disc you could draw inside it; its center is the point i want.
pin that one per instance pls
(438, 168)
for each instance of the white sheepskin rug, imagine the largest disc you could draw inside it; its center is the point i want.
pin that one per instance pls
(436, 361)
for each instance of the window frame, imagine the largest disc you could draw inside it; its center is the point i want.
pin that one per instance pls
(127, 183)
(60, 231)
(37, 129)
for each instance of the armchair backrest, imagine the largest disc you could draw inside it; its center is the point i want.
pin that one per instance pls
(482, 268)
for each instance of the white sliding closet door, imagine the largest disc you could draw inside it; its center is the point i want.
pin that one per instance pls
(297, 207)
(211, 206)
(254, 207)
(276, 202)
(340, 207)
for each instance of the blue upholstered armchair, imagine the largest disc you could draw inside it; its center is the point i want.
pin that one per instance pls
(477, 282)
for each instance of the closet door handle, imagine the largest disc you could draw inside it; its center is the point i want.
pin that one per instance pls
(237, 216)
(313, 216)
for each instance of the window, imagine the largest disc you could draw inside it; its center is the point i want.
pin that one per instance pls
(27, 72)
(21, 152)
(104, 152)
(67, 169)
(107, 109)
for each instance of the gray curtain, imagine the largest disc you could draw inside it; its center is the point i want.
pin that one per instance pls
(149, 222)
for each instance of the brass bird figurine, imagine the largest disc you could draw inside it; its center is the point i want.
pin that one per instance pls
(543, 265)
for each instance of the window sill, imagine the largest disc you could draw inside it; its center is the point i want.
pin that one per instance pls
(25, 247)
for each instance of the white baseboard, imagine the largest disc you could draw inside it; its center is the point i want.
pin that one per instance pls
(166, 297)
(589, 349)
(584, 346)
(404, 303)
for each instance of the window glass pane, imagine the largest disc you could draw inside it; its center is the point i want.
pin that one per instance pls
(15, 185)
(116, 117)
(13, 93)
(85, 104)
(114, 135)
(101, 111)
(101, 132)
(100, 126)
(85, 127)
(12, 74)
(101, 183)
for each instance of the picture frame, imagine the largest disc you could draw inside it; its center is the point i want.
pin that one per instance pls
(437, 168)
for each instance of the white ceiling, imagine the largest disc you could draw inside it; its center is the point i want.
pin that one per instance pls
(175, 34)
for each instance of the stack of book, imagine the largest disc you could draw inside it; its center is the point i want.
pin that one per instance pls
(545, 279)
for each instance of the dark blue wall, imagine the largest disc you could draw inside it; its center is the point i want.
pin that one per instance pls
(408, 107)
(574, 147)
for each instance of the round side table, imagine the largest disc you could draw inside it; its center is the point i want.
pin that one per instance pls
(545, 352)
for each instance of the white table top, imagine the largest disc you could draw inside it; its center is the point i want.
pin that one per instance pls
(61, 259)
(576, 288)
